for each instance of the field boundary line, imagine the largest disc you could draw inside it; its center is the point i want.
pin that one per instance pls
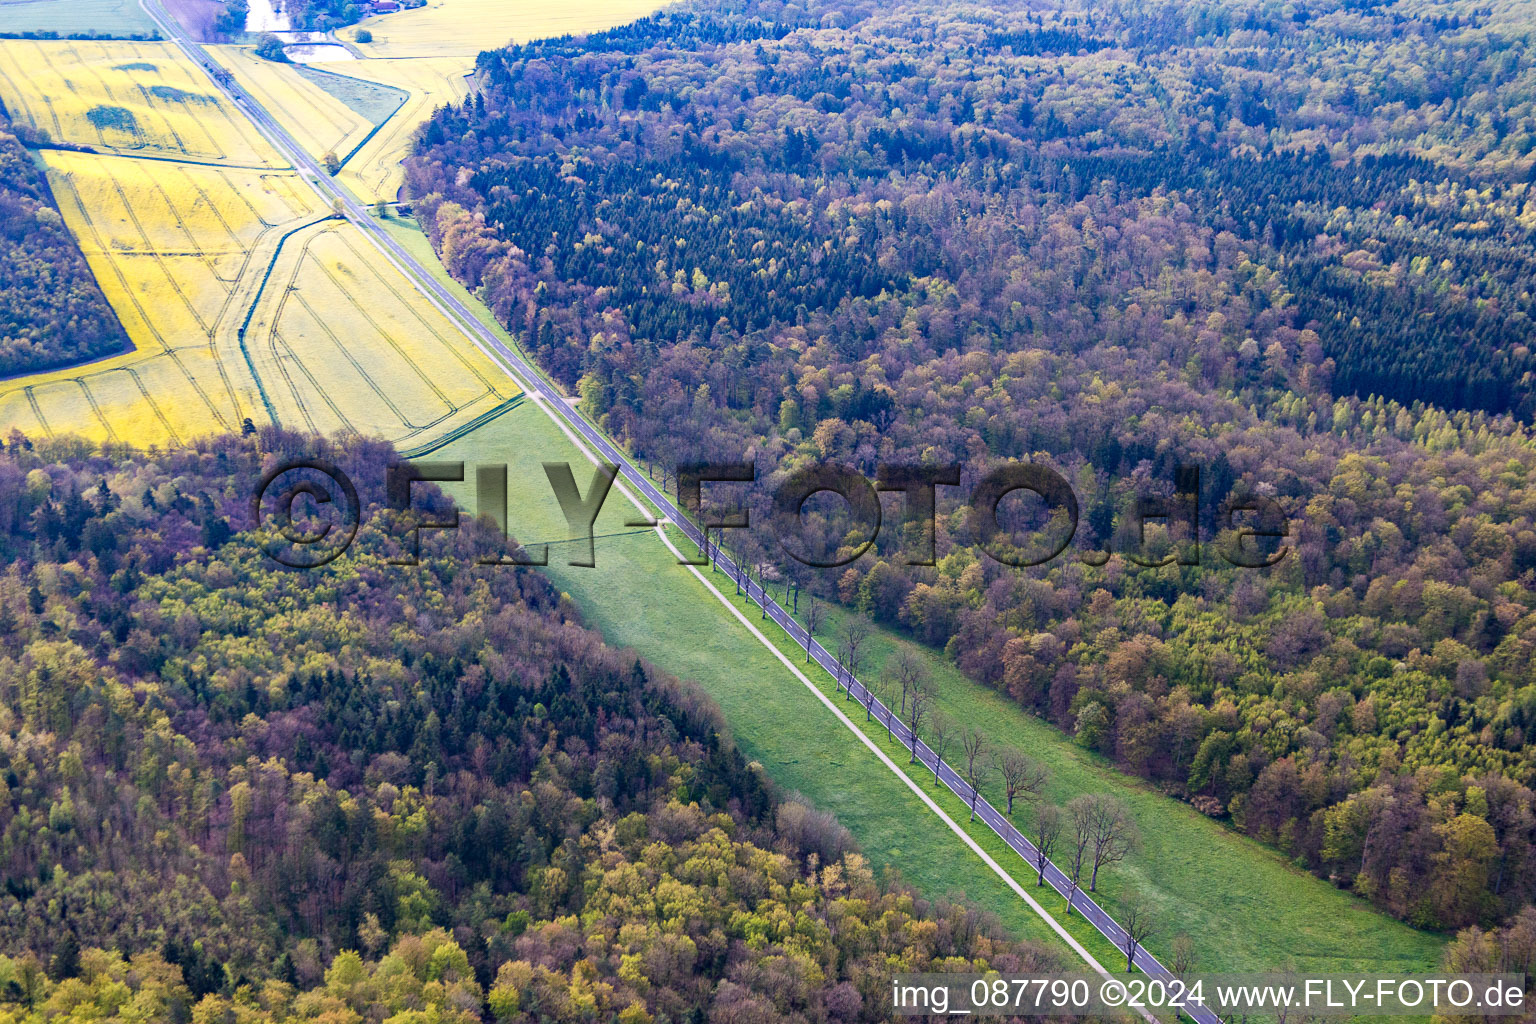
(375, 129)
(371, 268)
(250, 312)
(468, 428)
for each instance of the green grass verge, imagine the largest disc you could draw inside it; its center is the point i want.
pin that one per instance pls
(640, 598)
(1244, 906)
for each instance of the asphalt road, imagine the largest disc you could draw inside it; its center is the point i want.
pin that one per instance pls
(557, 406)
(854, 690)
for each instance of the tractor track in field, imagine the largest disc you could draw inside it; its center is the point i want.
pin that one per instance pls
(250, 312)
(138, 382)
(166, 349)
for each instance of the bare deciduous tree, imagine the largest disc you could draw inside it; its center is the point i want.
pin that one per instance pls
(875, 689)
(1183, 955)
(1112, 833)
(1139, 924)
(815, 618)
(1021, 775)
(919, 703)
(1046, 832)
(1285, 1013)
(887, 690)
(1080, 816)
(973, 743)
(909, 671)
(855, 640)
(941, 733)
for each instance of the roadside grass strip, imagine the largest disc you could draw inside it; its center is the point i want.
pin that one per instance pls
(1203, 878)
(640, 598)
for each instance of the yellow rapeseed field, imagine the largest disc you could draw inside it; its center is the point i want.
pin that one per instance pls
(374, 172)
(174, 247)
(462, 28)
(341, 342)
(128, 98)
(323, 124)
(317, 120)
(137, 206)
(242, 296)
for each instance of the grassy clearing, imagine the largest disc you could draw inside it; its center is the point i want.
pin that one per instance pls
(1245, 907)
(104, 17)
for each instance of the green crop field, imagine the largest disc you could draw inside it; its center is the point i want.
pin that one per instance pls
(101, 17)
(374, 102)
(1243, 905)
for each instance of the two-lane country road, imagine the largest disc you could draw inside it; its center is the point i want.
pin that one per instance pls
(556, 405)
(1081, 901)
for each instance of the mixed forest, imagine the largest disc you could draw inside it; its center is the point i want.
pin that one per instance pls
(1286, 243)
(52, 311)
(231, 791)
(324, 14)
